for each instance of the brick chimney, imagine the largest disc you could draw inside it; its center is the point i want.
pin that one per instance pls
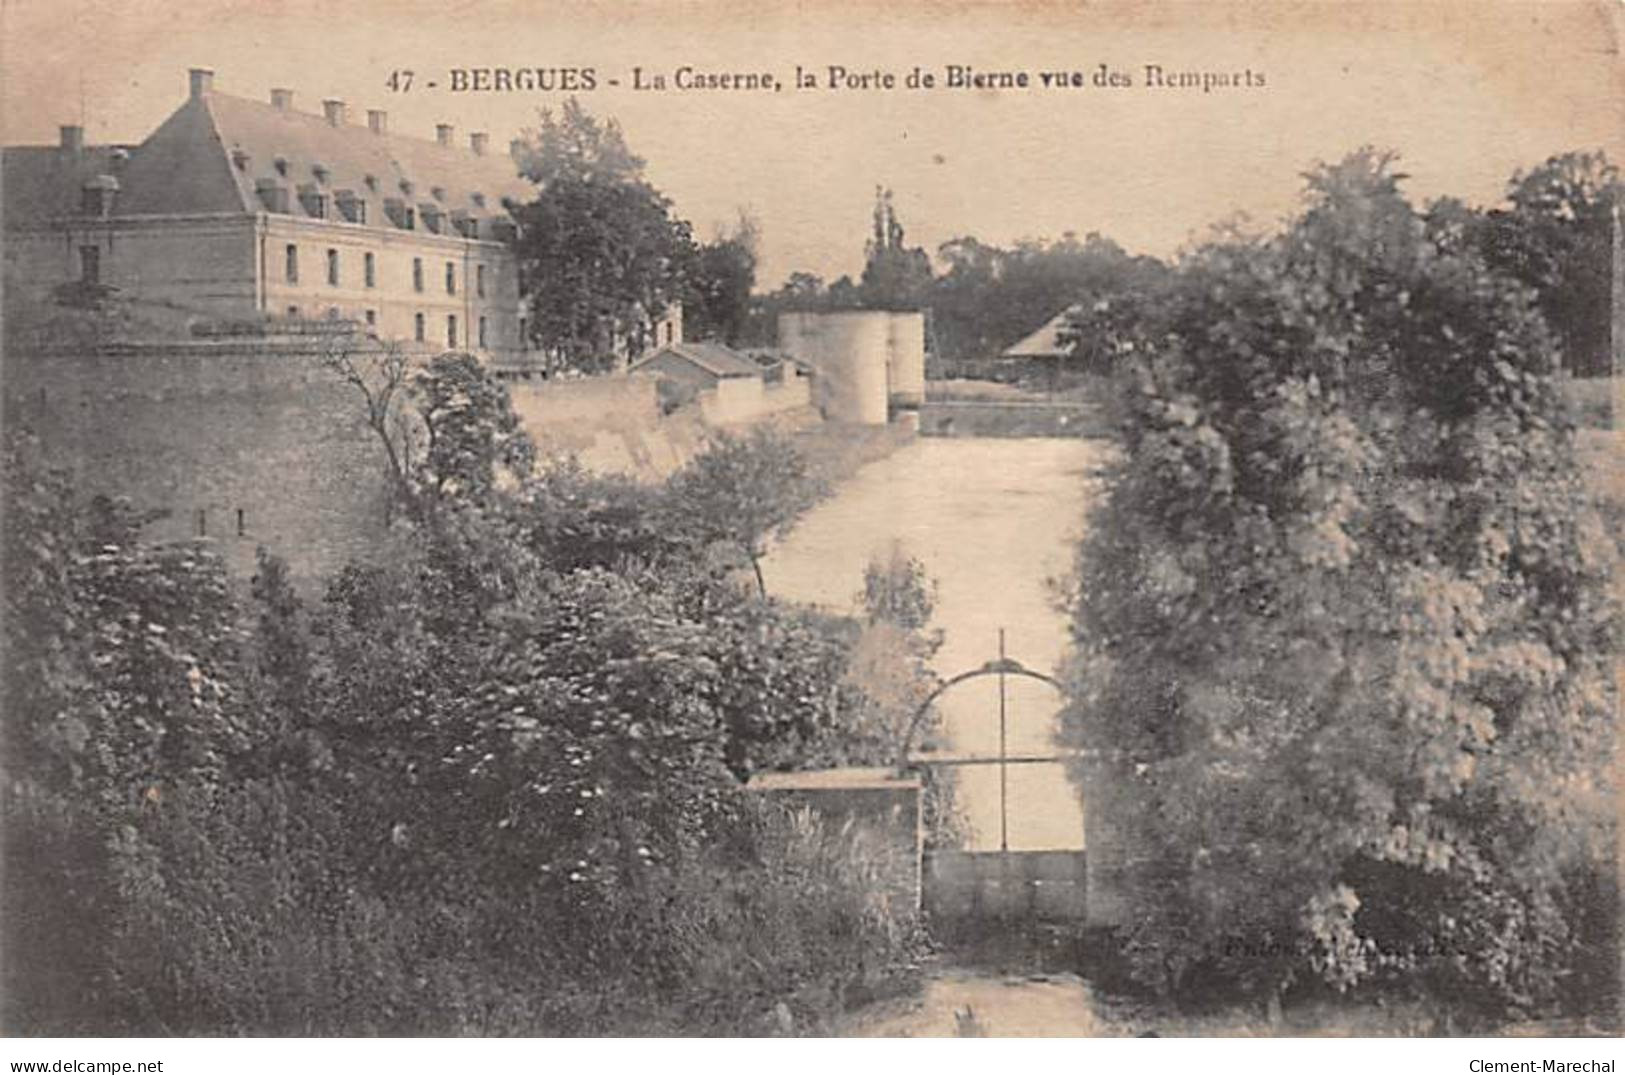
(478, 141)
(334, 110)
(377, 120)
(443, 133)
(282, 100)
(200, 81)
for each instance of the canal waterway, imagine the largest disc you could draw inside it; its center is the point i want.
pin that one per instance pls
(992, 520)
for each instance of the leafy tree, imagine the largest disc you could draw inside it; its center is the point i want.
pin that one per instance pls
(895, 276)
(1343, 624)
(1558, 238)
(720, 283)
(990, 296)
(123, 663)
(803, 290)
(742, 490)
(574, 519)
(897, 589)
(891, 658)
(600, 253)
(780, 689)
(447, 426)
(471, 435)
(380, 372)
(122, 694)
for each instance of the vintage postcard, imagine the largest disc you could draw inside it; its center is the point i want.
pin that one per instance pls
(758, 520)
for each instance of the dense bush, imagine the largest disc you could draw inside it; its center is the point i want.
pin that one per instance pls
(1556, 235)
(1342, 625)
(489, 783)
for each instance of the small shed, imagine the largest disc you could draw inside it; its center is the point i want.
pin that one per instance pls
(699, 365)
(1045, 342)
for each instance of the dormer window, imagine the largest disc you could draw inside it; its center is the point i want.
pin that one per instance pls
(478, 199)
(371, 181)
(438, 193)
(273, 195)
(351, 207)
(320, 171)
(466, 226)
(281, 165)
(431, 217)
(314, 201)
(240, 158)
(406, 187)
(400, 214)
(96, 197)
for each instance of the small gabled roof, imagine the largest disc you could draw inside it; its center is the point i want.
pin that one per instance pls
(716, 359)
(1046, 341)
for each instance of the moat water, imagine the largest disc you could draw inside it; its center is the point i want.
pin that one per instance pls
(993, 520)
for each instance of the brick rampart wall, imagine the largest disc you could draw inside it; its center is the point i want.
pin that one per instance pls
(216, 428)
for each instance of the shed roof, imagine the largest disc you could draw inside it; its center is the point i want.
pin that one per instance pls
(716, 359)
(1046, 341)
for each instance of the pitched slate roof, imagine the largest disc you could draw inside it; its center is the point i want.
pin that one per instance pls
(39, 182)
(213, 152)
(1046, 342)
(714, 358)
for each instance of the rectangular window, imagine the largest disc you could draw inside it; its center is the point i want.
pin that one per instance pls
(372, 318)
(293, 311)
(333, 268)
(417, 274)
(242, 523)
(202, 523)
(451, 330)
(291, 264)
(479, 281)
(482, 333)
(369, 269)
(417, 327)
(451, 278)
(90, 264)
(524, 339)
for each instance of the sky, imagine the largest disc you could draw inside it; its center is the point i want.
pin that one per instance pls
(1467, 93)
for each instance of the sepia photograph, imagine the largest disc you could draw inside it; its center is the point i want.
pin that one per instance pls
(716, 520)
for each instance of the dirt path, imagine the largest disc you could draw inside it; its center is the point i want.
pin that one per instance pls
(963, 1003)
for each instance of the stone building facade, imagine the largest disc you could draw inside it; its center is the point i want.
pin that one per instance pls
(241, 208)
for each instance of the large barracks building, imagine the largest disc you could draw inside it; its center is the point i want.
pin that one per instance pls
(244, 208)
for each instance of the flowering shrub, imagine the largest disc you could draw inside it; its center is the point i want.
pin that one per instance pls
(490, 784)
(1342, 622)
